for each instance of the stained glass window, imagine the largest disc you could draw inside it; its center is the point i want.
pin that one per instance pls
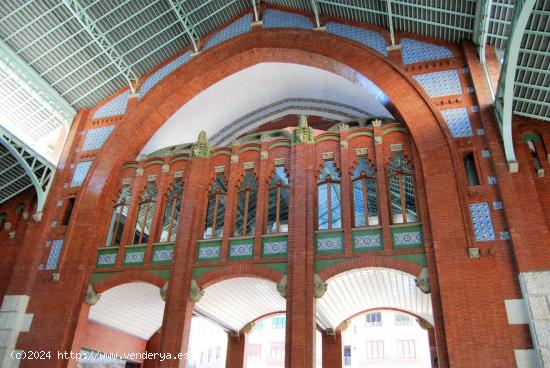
(278, 201)
(328, 198)
(172, 212)
(365, 204)
(247, 200)
(145, 214)
(401, 188)
(118, 219)
(216, 208)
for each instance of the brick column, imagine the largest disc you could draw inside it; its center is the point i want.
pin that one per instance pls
(382, 193)
(263, 188)
(433, 347)
(300, 305)
(235, 350)
(174, 334)
(332, 350)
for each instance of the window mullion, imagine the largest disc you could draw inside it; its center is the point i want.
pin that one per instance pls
(278, 209)
(329, 204)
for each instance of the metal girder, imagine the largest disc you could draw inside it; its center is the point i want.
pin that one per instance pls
(256, 14)
(30, 77)
(100, 38)
(37, 168)
(505, 91)
(390, 21)
(481, 31)
(315, 8)
(176, 6)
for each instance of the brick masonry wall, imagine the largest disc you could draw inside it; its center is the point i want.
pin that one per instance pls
(468, 294)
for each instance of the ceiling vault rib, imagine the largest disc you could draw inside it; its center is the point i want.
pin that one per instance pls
(505, 90)
(91, 27)
(177, 8)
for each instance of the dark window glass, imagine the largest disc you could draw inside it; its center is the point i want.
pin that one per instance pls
(216, 208)
(68, 211)
(365, 203)
(277, 207)
(145, 214)
(118, 219)
(246, 205)
(172, 212)
(401, 188)
(328, 198)
(471, 171)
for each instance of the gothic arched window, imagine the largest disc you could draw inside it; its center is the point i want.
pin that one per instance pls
(401, 188)
(247, 200)
(365, 204)
(216, 208)
(278, 201)
(172, 211)
(328, 198)
(145, 214)
(118, 219)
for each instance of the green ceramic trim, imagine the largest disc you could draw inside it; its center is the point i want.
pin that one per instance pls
(246, 241)
(179, 158)
(359, 134)
(332, 137)
(226, 152)
(102, 251)
(154, 162)
(98, 276)
(321, 264)
(134, 249)
(210, 243)
(246, 149)
(164, 273)
(161, 246)
(419, 258)
(360, 232)
(530, 136)
(279, 144)
(282, 267)
(328, 235)
(199, 271)
(405, 229)
(130, 165)
(394, 129)
(272, 239)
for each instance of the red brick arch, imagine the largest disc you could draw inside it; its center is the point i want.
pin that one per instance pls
(371, 261)
(125, 277)
(238, 270)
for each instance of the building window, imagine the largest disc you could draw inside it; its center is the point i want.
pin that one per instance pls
(277, 351)
(347, 355)
(373, 319)
(254, 352)
(19, 210)
(531, 140)
(470, 167)
(328, 198)
(258, 326)
(279, 322)
(277, 208)
(145, 214)
(118, 219)
(401, 187)
(403, 320)
(68, 211)
(247, 200)
(172, 212)
(216, 208)
(406, 349)
(365, 206)
(375, 350)
(3, 219)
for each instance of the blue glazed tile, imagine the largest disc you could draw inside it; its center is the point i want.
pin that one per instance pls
(481, 219)
(117, 106)
(458, 122)
(369, 38)
(413, 51)
(438, 84)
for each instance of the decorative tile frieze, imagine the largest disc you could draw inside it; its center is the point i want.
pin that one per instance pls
(367, 240)
(163, 253)
(275, 247)
(95, 138)
(413, 51)
(134, 256)
(209, 251)
(107, 257)
(369, 38)
(238, 27)
(458, 122)
(330, 242)
(117, 106)
(241, 249)
(497, 205)
(481, 219)
(80, 173)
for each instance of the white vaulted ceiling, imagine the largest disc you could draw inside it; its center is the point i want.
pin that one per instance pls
(235, 302)
(135, 308)
(264, 92)
(361, 289)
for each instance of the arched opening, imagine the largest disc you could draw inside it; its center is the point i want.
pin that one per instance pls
(376, 317)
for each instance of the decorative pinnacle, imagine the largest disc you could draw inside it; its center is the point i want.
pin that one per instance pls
(303, 133)
(200, 148)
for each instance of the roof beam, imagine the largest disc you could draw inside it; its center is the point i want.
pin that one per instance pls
(100, 38)
(505, 91)
(315, 8)
(481, 31)
(177, 7)
(390, 22)
(23, 155)
(31, 78)
(256, 14)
